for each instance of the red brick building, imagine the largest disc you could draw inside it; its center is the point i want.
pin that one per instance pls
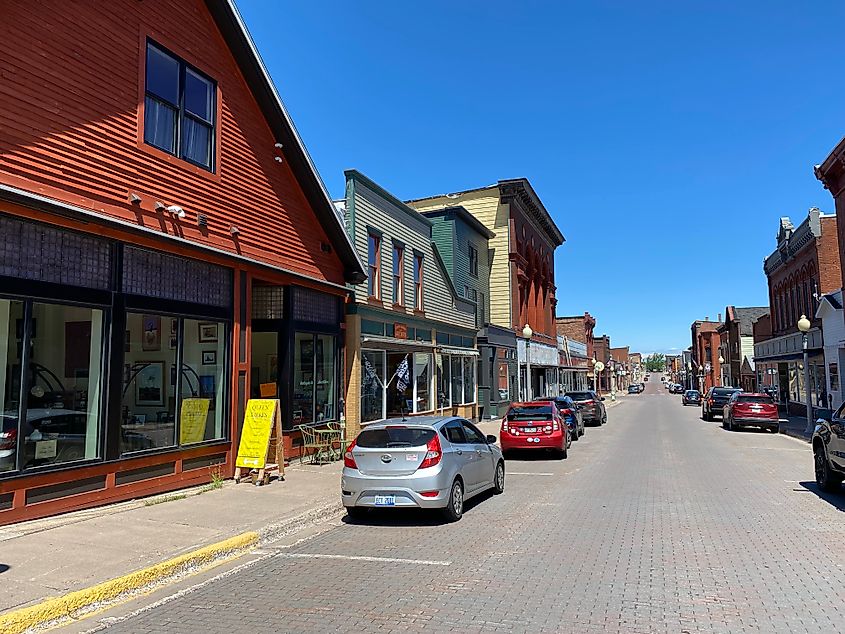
(601, 352)
(805, 265)
(621, 364)
(169, 252)
(705, 353)
(578, 328)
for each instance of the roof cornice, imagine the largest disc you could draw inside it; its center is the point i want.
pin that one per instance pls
(520, 189)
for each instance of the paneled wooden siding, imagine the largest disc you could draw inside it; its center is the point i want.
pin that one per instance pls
(371, 209)
(71, 91)
(484, 205)
(453, 236)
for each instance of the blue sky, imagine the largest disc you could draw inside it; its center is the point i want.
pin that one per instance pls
(665, 138)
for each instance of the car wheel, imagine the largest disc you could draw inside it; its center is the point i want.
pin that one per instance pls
(775, 429)
(825, 477)
(499, 478)
(356, 512)
(455, 508)
(603, 419)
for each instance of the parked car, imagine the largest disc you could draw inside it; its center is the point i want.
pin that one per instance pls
(691, 397)
(715, 400)
(592, 406)
(634, 389)
(536, 425)
(570, 411)
(430, 462)
(829, 451)
(746, 409)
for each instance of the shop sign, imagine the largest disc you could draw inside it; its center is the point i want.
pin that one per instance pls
(255, 438)
(192, 419)
(400, 331)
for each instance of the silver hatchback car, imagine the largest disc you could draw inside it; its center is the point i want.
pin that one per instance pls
(426, 462)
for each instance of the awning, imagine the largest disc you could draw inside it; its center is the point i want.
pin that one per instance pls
(459, 352)
(392, 343)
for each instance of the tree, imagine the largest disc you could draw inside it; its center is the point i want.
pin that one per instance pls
(655, 362)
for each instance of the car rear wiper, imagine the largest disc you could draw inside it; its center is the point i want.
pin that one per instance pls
(398, 444)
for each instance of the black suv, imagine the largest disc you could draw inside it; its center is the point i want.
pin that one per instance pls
(829, 451)
(592, 407)
(715, 400)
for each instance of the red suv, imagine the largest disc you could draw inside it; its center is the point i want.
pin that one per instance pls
(536, 425)
(745, 409)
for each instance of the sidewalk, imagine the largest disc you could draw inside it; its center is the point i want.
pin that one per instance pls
(794, 426)
(54, 556)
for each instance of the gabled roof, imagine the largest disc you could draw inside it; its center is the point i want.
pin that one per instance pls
(249, 61)
(829, 301)
(747, 316)
(464, 215)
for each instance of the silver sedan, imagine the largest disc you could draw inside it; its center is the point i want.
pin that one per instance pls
(426, 462)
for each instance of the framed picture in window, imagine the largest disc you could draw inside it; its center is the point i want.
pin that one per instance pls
(207, 332)
(151, 333)
(149, 384)
(209, 357)
(207, 387)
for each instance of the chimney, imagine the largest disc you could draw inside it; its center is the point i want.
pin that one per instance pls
(719, 318)
(707, 318)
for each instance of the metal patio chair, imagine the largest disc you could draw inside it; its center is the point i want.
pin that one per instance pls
(311, 440)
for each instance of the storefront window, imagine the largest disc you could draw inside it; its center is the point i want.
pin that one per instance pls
(443, 381)
(149, 382)
(502, 373)
(324, 397)
(372, 385)
(422, 377)
(303, 378)
(456, 372)
(202, 381)
(63, 397)
(313, 378)
(11, 314)
(469, 379)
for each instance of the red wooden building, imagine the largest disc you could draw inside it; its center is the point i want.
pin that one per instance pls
(167, 243)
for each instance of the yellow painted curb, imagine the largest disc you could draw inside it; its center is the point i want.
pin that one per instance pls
(52, 609)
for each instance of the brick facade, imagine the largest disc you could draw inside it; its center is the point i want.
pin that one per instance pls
(578, 328)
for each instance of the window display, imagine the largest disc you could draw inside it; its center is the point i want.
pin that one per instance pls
(11, 314)
(443, 380)
(469, 379)
(61, 382)
(202, 382)
(148, 411)
(313, 378)
(372, 385)
(457, 387)
(422, 380)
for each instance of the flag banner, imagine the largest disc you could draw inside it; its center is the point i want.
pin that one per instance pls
(403, 376)
(370, 375)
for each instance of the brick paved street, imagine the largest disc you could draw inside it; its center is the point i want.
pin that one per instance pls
(657, 522)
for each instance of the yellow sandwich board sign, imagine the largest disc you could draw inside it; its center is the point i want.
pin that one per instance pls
(260, 448)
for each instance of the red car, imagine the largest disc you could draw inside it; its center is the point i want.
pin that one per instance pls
(745, 409)
(535, 425)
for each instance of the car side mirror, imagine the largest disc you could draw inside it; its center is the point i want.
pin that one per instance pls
(491, 439)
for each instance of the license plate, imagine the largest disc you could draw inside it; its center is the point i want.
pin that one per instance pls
(529, 430)
(385, 500)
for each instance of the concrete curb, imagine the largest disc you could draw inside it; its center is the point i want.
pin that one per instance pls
(795, 434)
(81, 601)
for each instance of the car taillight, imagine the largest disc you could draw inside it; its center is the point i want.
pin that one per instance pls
(548, 428)
(566, 412)
(348, 458)
(589, 402)
(710, 401)
(433, 453)
(555, 426)
(505, 424)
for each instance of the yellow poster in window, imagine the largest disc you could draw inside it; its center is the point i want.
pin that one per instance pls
(255, 437)
(192, 420)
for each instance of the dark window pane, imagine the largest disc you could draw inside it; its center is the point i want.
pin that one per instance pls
(11, 314)
(162, 75)
(198, 94)
(196, 141)
(160, 125)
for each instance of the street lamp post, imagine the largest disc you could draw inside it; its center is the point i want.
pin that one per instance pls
(722, 369)
(689, 375)
(701, 385)
(527, 332)
(597, 370)
(804, 327)
(612, 368)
